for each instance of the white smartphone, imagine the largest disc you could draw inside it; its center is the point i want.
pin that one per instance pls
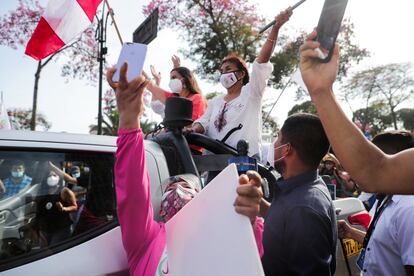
(134, 54)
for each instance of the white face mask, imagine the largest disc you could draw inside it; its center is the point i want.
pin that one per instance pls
(271, 154)
(52, 180)
(228, 79)
(175, 85)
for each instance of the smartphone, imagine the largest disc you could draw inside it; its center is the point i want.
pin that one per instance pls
(134, 54)
(329, 26)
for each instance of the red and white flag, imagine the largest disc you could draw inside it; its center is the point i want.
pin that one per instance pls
(62, 21)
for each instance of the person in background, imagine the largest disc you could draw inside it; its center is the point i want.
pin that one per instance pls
(54, 204)
(381, 173)
(183, 84)
(242, 104)
(300, 234)
(17, 180)
(345, 186)
(388, 245)
(143, 238)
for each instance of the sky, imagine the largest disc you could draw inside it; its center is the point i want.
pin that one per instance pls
(383, 27)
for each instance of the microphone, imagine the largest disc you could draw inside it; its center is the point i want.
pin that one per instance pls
(274, 21)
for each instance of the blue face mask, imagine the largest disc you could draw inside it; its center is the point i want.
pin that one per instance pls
(17, 174)
(76, 175)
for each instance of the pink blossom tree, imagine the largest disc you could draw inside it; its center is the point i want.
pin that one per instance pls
(212, 28)
(79, 57)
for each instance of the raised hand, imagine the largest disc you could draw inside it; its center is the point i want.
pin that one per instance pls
(155, 75)
(249, 195)
(128, 97)
(176, 61)
(283, 17)
(317, 76)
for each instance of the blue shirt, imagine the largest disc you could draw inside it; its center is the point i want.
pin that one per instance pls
(12, 188)
(300, 233)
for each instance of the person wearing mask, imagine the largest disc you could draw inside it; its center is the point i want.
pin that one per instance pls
(54, 204)
(300, 232)
(388, 245)
(242, 104)
(381, 173)
(183, 84)
(17, 180)
(144, 239)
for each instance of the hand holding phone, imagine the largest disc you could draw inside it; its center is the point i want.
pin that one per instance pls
(133, 54)
(329, 26)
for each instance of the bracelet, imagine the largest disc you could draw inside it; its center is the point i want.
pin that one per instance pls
(271, 40)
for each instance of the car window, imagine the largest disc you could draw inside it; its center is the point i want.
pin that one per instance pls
(51, 199)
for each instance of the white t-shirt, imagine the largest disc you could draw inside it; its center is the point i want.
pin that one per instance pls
(391, 246)
(246, 109)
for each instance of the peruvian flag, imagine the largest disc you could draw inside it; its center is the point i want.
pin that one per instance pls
(62, 21)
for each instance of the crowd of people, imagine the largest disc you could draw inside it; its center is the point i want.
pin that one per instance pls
(296, 233)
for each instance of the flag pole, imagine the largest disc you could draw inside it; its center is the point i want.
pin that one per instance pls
(111, 13)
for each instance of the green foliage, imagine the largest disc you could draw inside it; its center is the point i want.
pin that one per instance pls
(406, 115)
(373, 119)
(391, 84)
(305, 107)
(212, 28)
(20, 119)
(110, 118)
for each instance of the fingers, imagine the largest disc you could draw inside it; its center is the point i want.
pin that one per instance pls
(309, 45)
(250, 212)
(123, 81)
(335, 55)
(145, 74)
(109, 75)
(254, 178)
(312, 35)
(249, 190)
(243, 179)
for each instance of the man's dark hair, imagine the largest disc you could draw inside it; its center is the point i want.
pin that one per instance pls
(17, 163)
(240, 64)
(306, 134)
(392, 142)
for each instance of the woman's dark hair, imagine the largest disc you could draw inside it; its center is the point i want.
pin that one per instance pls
(189, 79)
(240, 64)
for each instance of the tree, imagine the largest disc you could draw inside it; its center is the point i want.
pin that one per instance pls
(20, 119)
(372, 119)
(392, 84)
(212, 28)
(286, 61)
(305, 107)
(406, 115)
(79, 56)
(110, 118)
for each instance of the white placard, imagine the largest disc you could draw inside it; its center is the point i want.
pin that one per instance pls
(207, 237)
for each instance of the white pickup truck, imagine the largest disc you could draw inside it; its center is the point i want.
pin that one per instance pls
(92, 244)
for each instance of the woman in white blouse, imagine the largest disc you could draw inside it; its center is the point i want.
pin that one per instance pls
(243, 102)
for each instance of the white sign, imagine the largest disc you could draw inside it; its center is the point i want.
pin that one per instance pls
(207, 236)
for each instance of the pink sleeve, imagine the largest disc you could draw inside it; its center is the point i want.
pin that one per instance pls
(258, 234)
(135, 213)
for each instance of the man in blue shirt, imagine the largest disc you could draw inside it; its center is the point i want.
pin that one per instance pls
(17, 180)
(300, 232)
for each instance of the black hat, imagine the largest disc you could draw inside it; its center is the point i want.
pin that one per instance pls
(178, 112)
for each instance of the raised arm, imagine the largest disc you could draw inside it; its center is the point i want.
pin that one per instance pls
(135, 212)
(269, 45)
(373, 170)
